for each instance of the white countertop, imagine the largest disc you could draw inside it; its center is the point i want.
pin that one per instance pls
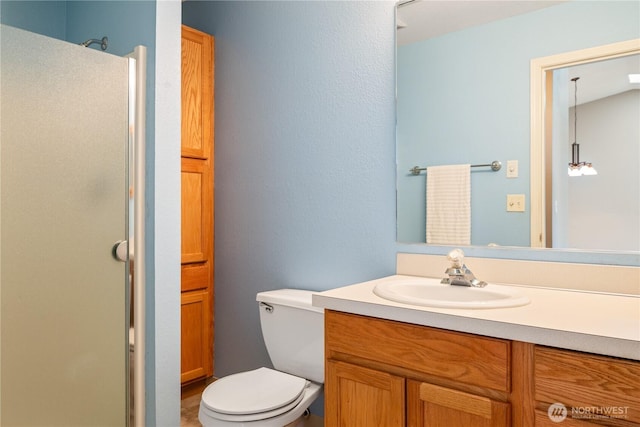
(599, 323)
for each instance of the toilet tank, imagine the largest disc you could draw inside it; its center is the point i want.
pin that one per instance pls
(293, 331)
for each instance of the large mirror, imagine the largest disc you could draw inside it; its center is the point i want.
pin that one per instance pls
(464, 97)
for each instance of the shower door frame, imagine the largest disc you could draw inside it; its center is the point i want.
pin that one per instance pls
(137, 153)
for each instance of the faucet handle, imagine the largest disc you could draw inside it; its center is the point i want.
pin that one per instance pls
(456, 257)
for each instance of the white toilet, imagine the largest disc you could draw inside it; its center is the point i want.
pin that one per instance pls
(293, 331)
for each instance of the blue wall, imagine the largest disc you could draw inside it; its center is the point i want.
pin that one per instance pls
(470, 122)
(48, 18)
(305, 154)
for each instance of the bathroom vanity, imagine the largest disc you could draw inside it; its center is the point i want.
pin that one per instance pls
(387, 373)
(565, 354)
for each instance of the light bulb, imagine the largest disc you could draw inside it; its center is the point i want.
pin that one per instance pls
(574, 171)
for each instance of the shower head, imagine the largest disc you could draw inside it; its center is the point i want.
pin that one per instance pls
(103, 42)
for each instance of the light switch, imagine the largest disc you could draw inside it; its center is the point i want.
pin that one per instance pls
(515, 202)
(512, 168)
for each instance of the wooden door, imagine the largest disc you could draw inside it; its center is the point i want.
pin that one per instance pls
(363, 397)
(197, 164)
(429, 405)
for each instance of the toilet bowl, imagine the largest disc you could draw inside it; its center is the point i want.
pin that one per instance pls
(293, 333)
(262, 397)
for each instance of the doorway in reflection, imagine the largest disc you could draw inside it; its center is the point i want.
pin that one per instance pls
(600, 211)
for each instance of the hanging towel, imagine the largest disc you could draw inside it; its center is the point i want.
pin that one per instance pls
(449, 205)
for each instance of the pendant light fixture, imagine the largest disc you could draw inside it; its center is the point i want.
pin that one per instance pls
(576, 167)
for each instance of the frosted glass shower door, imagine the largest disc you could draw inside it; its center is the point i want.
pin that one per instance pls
(63, 140)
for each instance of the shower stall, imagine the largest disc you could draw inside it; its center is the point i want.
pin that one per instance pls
(71, 212)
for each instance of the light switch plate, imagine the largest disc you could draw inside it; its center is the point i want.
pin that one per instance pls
(512, 168)
(515, 202)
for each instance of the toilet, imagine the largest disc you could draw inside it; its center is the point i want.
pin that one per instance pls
(293, 332)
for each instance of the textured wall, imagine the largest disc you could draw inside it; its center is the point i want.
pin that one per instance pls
(304, 178)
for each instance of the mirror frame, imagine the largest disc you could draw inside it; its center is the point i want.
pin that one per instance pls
(541, 70)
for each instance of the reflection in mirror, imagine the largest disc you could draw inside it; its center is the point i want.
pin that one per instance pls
(590, 212)
(464, 98)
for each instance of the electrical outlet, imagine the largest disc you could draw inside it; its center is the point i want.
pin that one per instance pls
(515, 202)
(512, 168)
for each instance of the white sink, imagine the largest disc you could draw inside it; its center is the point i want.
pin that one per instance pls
(431, 293)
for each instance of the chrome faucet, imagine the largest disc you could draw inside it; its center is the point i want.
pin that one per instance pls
(458, 273)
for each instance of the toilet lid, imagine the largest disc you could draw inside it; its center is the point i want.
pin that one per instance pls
(253, 392)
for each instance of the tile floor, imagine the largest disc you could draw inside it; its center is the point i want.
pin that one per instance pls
(189, 411)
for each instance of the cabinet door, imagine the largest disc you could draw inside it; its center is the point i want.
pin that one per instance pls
(195, 328)
(197, 214)
(588, 382)
(363, 397)
(431, 405)
(197, 93)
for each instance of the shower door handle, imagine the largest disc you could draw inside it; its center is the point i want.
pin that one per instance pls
(120, 250)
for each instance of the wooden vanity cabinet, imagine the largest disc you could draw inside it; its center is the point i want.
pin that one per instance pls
(386, 373)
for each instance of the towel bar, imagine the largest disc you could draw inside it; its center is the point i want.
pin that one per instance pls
(495, 166)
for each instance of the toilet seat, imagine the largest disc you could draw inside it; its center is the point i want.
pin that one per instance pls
(253, 395)
(253, 417)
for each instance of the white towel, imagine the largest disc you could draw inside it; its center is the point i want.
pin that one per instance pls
(449, 205)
